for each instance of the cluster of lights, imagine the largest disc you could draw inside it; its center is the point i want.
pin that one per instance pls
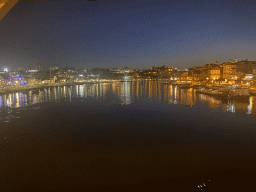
(201, 186)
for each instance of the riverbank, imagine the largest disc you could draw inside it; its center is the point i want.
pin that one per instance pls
(10, 89)
(27, 88)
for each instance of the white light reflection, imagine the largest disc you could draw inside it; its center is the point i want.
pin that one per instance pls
(97, 91)
(9, 103)
(70, 95)
(249, 108)
(44, 96)
(231, 108)
(49, 94)
(100, 90)
(77, 91)
(17, 100)
(85, 91)
(81, 91)
(175, 94)
(125, 95)
(55, 93)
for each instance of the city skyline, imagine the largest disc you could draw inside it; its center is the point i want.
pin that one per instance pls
(39, 66)
(135, 34)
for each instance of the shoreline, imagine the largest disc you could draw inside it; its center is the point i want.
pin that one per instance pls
(27, 88)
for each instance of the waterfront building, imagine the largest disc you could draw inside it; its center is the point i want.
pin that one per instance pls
(16, 81)
(197, 75)
(2, 82)
(254, 72)
(246, 67)
(4, 74)
(210, 66)
(31, 74)
(185, 77)
(30, 81)
(127, 69)
(227, 70)
(214, 73)
(115, 70)
(247, 80)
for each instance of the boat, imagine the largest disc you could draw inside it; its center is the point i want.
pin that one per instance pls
(224, 89)
(220, 95)
(204, 91)
(197, 86)
(214, 93)
(184, 86)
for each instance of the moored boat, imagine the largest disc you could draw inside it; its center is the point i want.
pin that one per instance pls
(197, 86)
(184, 86)
(214, 93)
(220, 95)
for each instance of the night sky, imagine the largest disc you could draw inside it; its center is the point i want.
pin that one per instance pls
(127, 33)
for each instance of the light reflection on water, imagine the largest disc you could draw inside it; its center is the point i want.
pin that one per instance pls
(122, 93)
(125, 93)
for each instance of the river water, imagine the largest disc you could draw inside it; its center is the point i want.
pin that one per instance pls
(125, 136)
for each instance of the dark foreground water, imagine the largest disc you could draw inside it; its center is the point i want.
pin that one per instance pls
(129, 136)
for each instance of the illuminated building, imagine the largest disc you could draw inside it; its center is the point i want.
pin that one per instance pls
(115, 70)
(1, 81)
(31, 73)
(18, 81)
(214, 73)
(227, 70)
(254, 72)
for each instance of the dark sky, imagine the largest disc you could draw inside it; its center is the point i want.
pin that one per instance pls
(132, 33)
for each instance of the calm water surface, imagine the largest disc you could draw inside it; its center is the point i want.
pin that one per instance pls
(125, 135)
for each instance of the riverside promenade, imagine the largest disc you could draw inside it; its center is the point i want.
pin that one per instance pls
(10, 89)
